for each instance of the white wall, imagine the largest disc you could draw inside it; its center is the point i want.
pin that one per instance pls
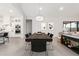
(9, 18)
(9, 24)
(13, 24)
(36, 26)
(58, 24)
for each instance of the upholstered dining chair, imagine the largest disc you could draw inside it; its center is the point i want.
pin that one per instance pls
(51, 35)
(30, 34)
(48, 34)
(6, 36)
(49, 44)
(27, 42)
(26, 35)
(38, 46)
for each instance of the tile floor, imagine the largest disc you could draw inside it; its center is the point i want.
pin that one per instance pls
(17, 47)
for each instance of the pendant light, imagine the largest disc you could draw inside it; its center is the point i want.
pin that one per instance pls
(39, 17)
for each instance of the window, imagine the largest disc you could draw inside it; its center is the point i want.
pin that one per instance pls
(71, 26)
(68, 27)
(74, 26)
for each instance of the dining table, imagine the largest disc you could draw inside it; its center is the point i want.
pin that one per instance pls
(38, 41)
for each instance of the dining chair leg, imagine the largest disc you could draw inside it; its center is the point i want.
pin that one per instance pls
(8, 39)
(26, 46)
(51, 46)
(3, 40)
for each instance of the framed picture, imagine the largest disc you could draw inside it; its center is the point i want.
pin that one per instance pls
(43, 26)
(17, 29)
(50, 26)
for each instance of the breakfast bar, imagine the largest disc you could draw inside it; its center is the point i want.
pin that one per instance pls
(71, 41)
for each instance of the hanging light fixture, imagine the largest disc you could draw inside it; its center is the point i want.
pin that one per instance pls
(39, 17)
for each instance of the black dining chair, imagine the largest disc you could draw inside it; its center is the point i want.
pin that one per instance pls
(51, 35)
(38, 46)
(6, 36)
(50, 43)
(27, 42)
(48, 34)
(26, 35)
(29, 34)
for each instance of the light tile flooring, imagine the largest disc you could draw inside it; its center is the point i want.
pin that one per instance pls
(17, 47)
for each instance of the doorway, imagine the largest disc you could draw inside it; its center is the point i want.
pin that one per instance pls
(28, 26)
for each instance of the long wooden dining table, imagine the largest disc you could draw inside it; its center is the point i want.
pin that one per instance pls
(38, 41)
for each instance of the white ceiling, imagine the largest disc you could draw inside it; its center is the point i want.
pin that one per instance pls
(5, 9)
(50, 9)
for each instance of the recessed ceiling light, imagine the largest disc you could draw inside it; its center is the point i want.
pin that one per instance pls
(40, 8)
(10, 11)
(61, 8)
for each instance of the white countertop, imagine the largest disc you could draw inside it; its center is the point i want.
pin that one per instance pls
(72, 35)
